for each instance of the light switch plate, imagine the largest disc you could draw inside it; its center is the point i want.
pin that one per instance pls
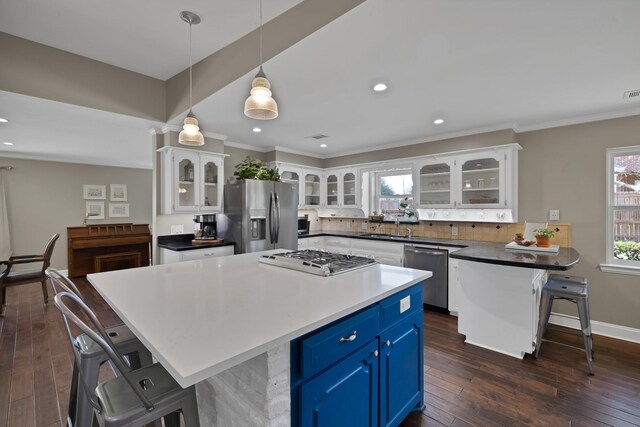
(405, 303)
(177, 229)
(454, 231)
(554, 215)
(348, 225)
(363, 225)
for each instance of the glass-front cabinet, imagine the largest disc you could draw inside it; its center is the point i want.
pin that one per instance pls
(333, 196)
(435, 178)
(192, 181)
(474, 180)
(349, 189)
(312, 188)
(481, 181)
(292, 175)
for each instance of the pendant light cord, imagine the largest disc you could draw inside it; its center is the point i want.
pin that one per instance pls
(261, 33)
(190, 73)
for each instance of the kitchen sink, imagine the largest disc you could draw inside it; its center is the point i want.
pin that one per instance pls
(384, 236)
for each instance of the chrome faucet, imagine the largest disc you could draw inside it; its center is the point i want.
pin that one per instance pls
(397, 225)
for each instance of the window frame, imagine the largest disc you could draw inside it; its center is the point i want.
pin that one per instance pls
(395, 172)
(615, 265)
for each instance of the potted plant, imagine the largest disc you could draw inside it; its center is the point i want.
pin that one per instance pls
(253, 169)
(543, 235)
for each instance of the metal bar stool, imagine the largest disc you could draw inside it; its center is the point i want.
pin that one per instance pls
(92, 356)
(137, 397)
(576, 290)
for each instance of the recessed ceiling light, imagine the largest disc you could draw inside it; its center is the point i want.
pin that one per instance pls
(438, 121)
(323, 145)
(257, 130)
(380, 87)
(8, 143)
(3, 120)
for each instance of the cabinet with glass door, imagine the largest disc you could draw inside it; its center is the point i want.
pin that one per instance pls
(191, 180)
(435, 182)
(481, 177)
(292, 175)
(312, 189)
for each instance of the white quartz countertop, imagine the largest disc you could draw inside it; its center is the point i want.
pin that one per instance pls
(201, 317)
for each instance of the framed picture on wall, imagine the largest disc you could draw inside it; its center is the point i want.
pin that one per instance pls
(94, 192)
(118, 210)
(118, 192)
(94, 210)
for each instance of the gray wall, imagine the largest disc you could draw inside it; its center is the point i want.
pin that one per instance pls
(565, 168)
(44, 198)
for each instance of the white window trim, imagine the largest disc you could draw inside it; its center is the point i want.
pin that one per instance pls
(395, 172)
(614, 265)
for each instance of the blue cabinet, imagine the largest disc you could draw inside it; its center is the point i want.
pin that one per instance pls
(346, 394)
(363, 370)
(401, 370)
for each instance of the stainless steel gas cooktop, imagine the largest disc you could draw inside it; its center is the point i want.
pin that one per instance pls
(317, 262)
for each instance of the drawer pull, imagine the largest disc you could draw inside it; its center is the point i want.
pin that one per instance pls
(351, 337)
(209, 254)
(388, 343)
(375, 353)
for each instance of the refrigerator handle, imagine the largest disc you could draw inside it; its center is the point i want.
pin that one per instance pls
(271, 222)
(277, 209)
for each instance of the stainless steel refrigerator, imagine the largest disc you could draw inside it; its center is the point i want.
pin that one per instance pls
(261, 215)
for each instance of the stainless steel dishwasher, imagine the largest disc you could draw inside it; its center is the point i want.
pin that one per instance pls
(436, 288)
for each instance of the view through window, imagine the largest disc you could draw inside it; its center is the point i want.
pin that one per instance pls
(393, 188)
(624, 206)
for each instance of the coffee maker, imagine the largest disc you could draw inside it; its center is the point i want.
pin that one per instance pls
(207, 227)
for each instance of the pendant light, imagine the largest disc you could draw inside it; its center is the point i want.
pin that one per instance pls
(190, 134)
(260, 105)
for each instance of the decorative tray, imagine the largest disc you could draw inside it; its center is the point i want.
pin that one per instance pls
(532, 248)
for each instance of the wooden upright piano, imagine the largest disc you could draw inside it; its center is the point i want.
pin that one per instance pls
(105, 247)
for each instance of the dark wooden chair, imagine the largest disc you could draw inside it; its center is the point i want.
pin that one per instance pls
(9, 278)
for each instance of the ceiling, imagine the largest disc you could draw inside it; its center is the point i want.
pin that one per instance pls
(479, 64)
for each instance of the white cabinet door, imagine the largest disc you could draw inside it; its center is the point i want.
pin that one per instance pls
(454, 285)
(332, 194)
(312, 188)
(349, 189)
(184, 178)
(292, 175)
(481, 179)
(212, 173)
(436, 184)
(315, 243)
(341, 245)
(169, 256)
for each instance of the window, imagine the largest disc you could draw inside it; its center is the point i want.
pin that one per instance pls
(392, 188)
(623, 216)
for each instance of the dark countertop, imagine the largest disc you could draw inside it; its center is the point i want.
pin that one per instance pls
(182, 242)
(487, 252)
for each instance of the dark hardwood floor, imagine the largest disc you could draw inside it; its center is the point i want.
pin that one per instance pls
(464, 385)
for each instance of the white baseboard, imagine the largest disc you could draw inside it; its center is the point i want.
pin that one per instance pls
(598, 328)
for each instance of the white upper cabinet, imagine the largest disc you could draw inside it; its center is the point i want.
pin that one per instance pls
(342, 188)
(312, 188)
(192, 181)
(478, 179)
(292, 175)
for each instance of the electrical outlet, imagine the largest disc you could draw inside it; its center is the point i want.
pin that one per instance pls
(348, 225)
(454, 231)
(405, 303)
(177, 229)
(363, 225)
(554, 215)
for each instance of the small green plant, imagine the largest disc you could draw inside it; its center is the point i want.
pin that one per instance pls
(405, 208)
(252, 169)
(626, 250)
(544, 232)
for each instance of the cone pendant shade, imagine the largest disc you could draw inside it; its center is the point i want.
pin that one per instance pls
(260, 105)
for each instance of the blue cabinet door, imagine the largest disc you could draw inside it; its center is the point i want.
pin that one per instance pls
(401, 370)
(346, 395)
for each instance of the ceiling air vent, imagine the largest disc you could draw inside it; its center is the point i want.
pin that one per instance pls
(317, 136)
(631, 94)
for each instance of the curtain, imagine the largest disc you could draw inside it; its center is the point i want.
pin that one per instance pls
(5, 239)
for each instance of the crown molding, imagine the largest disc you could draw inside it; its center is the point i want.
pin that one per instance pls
(248, 147)
(176, 128)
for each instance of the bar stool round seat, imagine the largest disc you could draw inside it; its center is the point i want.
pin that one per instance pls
(576, 290)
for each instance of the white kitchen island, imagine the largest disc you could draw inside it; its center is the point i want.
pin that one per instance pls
(499, 294)
(226, 323)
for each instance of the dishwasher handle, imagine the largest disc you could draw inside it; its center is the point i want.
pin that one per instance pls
(426, 252)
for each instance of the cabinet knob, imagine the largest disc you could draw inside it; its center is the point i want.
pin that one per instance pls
(375, 353)
(388, 343)
(351, 337)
